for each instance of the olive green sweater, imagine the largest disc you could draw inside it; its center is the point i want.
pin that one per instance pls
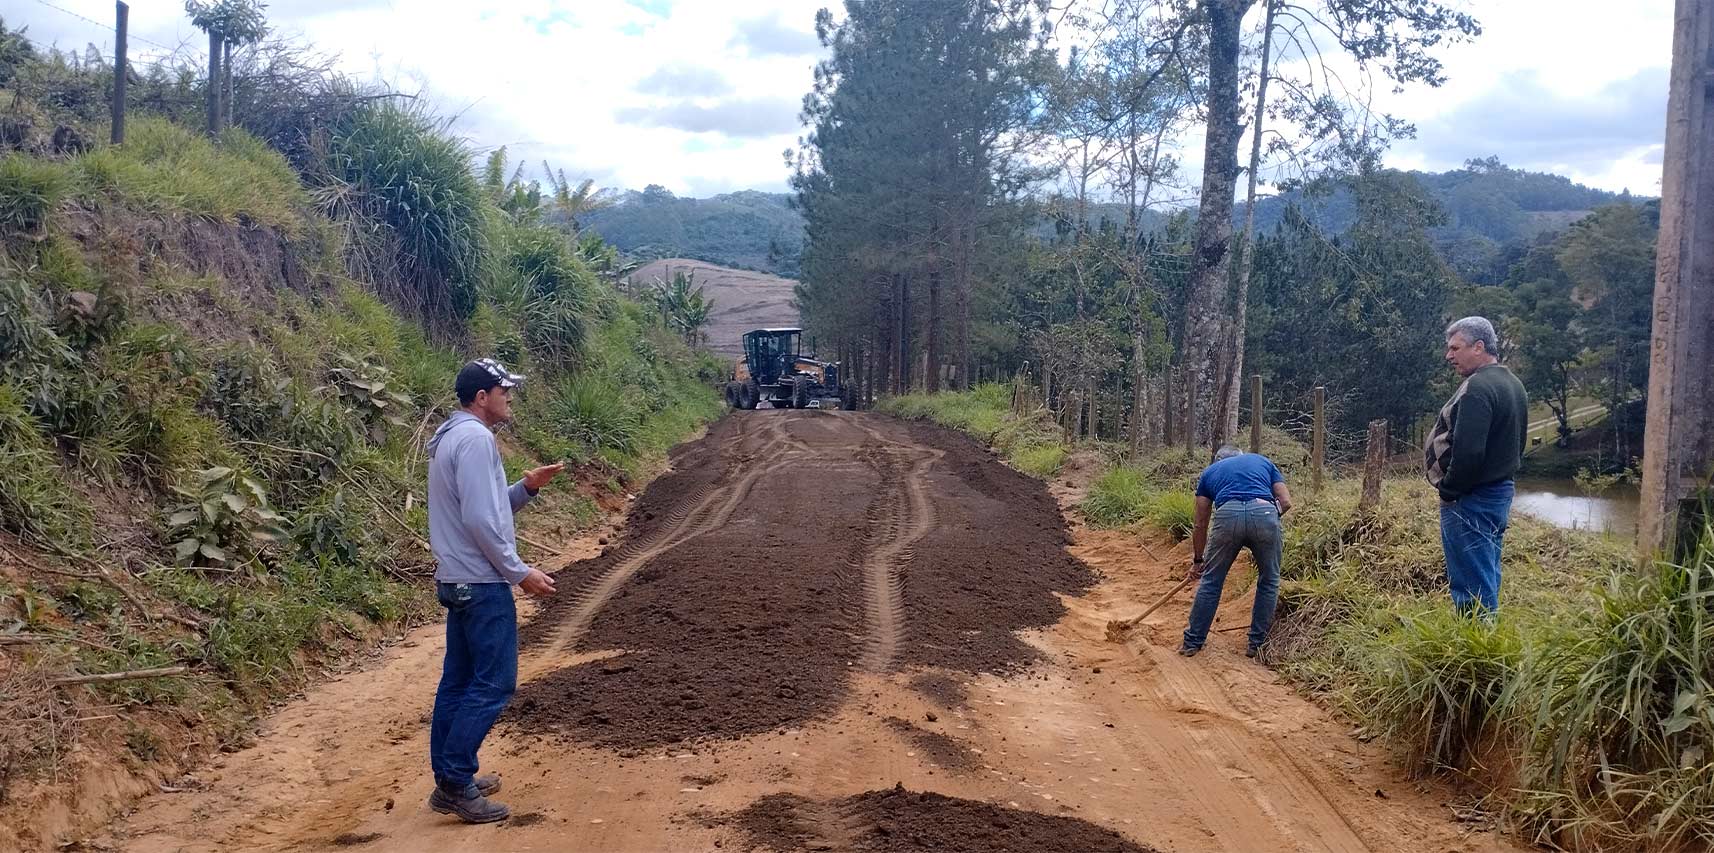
(1479, 435)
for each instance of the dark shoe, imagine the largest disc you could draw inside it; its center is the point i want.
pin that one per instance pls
(1251, 651)
(470, 809)
(488, 784)
(1188, 651)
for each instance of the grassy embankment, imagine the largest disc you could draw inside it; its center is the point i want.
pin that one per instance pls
(1583, 715)
(213, 424)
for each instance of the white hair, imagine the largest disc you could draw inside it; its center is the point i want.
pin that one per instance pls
(1474, 330)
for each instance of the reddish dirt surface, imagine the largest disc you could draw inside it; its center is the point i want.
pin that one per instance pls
(901, 821)
(713, 681)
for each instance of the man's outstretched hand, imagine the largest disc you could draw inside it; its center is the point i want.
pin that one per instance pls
(536, 478)
(537, 583)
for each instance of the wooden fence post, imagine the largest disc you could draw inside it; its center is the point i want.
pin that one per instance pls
(1318, 438)
(1256, 413)
(121, 28)
(1374, 462)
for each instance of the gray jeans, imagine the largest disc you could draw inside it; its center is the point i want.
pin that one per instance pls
(1253, 524)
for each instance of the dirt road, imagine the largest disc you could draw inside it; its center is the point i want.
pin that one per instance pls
(830, 631)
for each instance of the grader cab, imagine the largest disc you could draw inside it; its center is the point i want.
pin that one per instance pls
(775, 371)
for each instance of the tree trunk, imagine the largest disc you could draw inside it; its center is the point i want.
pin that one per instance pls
(902, 385)
(1247, 247)
(1139, 347)
(1211, 264)
(213, 83)
(932, 380)
(961, 308)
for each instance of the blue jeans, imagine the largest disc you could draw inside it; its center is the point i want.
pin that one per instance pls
(477, 680)
(1470, 532)
(1237, 525)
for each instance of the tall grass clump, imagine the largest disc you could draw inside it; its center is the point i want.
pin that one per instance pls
(30, 190)
(1039, 460)
(35, 502)
(1172, 511)
(1436, 685)
(540, 287)
(1622, 735)
(166, 169)
(595, 413)
(1118, 498)
(405, 190)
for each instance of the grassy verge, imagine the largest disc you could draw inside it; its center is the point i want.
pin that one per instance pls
(1585, 710)
(1032, 442)
(1582, 707)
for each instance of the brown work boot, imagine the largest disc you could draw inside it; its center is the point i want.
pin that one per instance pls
(488, 784)
(470, 806)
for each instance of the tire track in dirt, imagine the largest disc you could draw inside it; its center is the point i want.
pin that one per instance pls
(906, 518)
(692, 517)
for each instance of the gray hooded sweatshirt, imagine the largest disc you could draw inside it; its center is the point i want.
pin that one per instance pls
(470, 506)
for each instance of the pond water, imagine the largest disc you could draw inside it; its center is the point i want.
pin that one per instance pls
(1561, 503)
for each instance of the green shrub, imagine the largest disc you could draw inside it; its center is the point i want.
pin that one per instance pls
(1042, 460)
(1118, 497)
(367, 391)
(538, 282)
(223, 519)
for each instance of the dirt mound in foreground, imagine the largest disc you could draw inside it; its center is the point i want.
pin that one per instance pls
(901, 821)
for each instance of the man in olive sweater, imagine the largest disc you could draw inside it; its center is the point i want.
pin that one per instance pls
(1471, 455)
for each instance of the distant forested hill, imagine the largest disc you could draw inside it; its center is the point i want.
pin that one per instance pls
(1493, 213)
(748, 229)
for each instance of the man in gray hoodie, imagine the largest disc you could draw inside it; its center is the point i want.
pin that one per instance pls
(470, 529)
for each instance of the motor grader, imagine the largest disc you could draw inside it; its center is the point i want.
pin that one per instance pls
(774, 372)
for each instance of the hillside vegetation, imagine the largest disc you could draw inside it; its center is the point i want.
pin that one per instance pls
(218, 366)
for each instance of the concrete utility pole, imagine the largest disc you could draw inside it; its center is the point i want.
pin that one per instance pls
(1678, 443)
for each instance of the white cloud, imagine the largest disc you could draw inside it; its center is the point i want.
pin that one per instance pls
(701, 96)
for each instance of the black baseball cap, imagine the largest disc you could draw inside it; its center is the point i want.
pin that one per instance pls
(481, 375)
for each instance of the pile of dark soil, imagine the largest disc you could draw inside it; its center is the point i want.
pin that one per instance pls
(736, 632)
(991, 565)
(695, 467)
(901, 821)
(755, 625)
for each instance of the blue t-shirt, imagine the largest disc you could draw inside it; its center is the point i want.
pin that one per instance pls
(1247, 476)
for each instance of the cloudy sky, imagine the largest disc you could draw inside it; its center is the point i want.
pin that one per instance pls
(702, 95)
